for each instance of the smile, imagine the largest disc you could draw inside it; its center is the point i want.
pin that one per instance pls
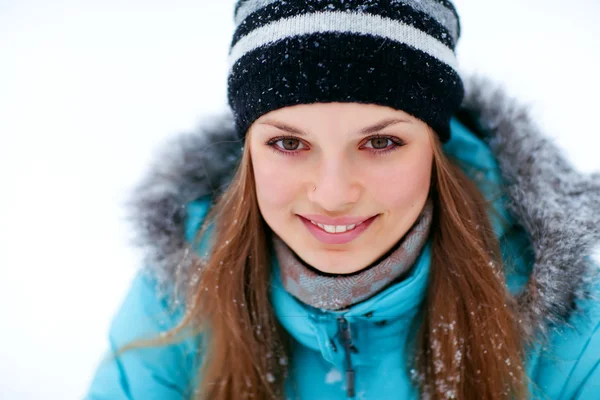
(337, 234)
(336, 228)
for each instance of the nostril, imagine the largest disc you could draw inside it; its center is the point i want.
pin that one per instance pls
(381, 323)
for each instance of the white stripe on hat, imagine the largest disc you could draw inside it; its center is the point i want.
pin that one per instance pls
(339, 21)
(438, 11)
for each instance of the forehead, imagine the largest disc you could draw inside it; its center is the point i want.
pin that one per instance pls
(355, 111)
(362, 118)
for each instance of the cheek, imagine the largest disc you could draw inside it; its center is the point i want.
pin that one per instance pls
(275, 186)
(402, 185)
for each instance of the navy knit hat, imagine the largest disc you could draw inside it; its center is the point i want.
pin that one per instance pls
(395, 53)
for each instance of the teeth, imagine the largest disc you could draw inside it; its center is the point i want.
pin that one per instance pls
(340, 229)
(336, 228)
(329, 228)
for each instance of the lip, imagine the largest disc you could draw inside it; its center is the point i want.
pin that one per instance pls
(320, 219)
(337, 238)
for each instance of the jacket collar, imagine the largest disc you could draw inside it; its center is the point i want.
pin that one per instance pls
(390, 308)
(556, 204)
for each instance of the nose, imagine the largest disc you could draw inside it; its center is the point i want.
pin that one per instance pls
(337, 186)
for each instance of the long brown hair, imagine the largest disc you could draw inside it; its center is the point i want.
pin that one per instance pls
(468, 346)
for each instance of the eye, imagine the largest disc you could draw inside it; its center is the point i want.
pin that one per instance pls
(379, 143)
(383, 144)
(285, 144)
(289, 144)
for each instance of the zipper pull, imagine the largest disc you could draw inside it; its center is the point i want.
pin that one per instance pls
(344, 328)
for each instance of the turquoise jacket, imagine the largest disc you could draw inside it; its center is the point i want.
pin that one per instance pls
(486, 137)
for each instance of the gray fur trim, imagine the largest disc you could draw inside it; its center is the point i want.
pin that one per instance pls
(557, 205)
(186, 167)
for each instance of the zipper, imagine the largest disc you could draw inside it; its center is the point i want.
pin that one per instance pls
(344, 328)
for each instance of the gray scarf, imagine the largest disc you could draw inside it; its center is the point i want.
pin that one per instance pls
(335, 292)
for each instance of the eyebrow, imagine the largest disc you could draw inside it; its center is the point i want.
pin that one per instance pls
(365, 131)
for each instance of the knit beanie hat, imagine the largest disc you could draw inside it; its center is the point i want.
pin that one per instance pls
(395, 53)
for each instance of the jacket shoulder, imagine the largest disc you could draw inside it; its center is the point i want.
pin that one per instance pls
(568, 365)
(158, 372)
(164, 372)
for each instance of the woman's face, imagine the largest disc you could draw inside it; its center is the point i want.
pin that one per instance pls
(368, 162)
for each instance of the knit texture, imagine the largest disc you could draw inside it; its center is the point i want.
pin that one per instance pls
(334, 292)
(395, 53)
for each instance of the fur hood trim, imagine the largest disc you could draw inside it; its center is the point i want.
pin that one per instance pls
(557, 205)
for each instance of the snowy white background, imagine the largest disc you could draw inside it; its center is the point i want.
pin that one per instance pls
(88, 89)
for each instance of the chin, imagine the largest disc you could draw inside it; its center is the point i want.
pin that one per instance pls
(339, 267)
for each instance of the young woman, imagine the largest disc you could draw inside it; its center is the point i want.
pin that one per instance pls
(365, 223)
